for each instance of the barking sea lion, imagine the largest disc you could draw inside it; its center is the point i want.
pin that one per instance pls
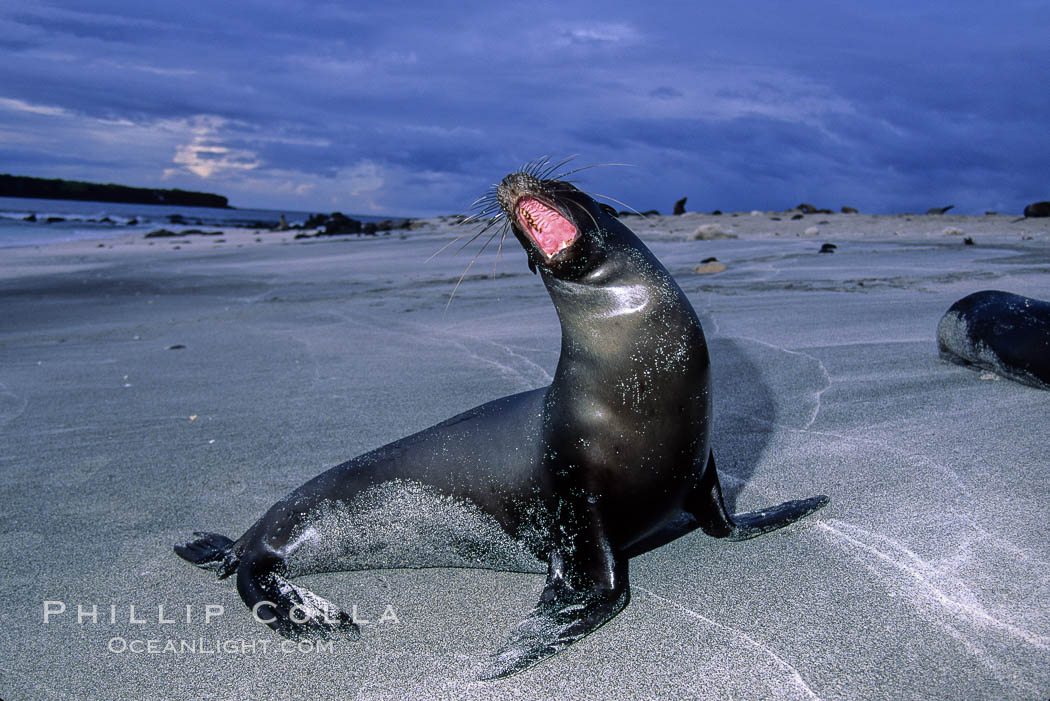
(612, 458)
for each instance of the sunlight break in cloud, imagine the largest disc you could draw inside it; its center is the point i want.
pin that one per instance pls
(601, 33)
(206, 156)
(362, 181)
(22, 106)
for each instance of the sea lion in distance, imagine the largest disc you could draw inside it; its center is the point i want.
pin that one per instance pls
(1005, 333)
(1037, 209)
(612, 459)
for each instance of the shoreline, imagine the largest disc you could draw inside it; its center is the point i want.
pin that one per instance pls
(772, 226)
(769, 228)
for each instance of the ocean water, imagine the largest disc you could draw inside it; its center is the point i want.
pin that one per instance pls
(72, 220)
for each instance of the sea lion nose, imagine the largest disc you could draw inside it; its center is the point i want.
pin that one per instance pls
(507, 192)
(512, 184)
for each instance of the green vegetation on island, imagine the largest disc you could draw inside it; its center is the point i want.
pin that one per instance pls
(43, 188)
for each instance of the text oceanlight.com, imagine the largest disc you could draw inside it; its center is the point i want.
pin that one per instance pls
(208, 646)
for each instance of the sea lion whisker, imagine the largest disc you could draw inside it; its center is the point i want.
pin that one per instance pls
(461, 236)
(491, 211)
(460, 280)
(488, 225)
(431, 256)
(533, 168)
(472, 261)
(562, 176)
(485, 245)
(612, 199)
(585, 211)
(484, 205)
(527, 166)
(472, 239)
(499, 249)
(490, 192)
(546, 174)
(493, 235)
(480, 215)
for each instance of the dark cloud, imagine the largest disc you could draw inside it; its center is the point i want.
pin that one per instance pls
(416, 108)
(665, 93)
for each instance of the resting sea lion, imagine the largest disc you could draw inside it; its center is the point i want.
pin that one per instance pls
(999, 331)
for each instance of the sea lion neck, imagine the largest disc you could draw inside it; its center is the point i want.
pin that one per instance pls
(619, 307)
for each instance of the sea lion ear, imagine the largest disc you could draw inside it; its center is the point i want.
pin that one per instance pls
(608, 210)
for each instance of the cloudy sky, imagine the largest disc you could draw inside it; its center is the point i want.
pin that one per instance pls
(415, 108)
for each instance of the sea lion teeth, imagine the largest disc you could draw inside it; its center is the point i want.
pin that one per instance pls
(545, 225)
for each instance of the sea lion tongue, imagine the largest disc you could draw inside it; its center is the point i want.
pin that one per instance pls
(547, 228)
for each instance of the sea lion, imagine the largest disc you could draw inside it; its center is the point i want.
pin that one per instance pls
(1037, 209)
(1003, 332)
(571, 480)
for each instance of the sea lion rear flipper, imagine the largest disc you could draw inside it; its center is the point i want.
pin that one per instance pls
(706, 504)
(753, 523)
(210, 551)
(562, 617)
(292, 611)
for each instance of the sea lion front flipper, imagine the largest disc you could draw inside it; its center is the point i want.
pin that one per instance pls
(209, 551)
(562, 617)
(586, 586)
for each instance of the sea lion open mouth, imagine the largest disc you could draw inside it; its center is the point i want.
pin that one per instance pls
(546, 226)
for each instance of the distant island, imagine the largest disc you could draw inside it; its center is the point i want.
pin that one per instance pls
(21, 186)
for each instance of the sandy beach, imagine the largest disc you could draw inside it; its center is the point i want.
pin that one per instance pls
(153, 387)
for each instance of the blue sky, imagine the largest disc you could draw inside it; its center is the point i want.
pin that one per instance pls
(416, 108)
